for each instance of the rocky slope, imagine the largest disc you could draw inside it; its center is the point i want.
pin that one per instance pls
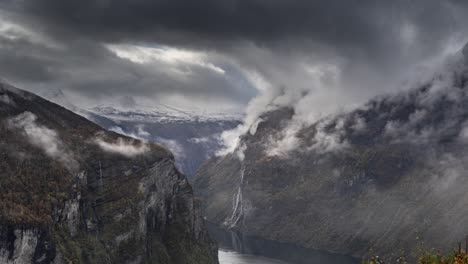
(71, 192)
(381, 178)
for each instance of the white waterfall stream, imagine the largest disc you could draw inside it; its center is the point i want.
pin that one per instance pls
(237, 203)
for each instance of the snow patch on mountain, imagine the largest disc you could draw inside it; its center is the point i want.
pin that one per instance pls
(161, 114)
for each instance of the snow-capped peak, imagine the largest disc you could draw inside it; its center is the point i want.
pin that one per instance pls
(161, 113)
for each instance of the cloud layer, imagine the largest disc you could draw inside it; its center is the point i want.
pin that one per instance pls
(128, 148)
(44, 138)
(320, 56)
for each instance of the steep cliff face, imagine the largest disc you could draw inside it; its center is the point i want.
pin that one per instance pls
(383, 177)
(71, 192)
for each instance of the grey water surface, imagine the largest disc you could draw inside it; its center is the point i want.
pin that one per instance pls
(236, 248)
(227, 256)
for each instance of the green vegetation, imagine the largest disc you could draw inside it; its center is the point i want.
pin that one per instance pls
(184, 248)
(85, 248)
(29, 195)
(426, 257)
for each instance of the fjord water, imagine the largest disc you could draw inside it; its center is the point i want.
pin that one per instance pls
(227, 256)
(236, 248)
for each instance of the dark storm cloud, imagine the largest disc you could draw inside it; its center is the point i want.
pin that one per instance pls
(40, 55)
(19, 60)
(366, 25)
(93, 69)
(370, 42)
(255, 19)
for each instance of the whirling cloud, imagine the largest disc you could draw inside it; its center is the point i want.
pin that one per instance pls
(126, 147)
(407, 117)
(99, 49)
(140, 132)
(464, 133)
(176, 148)
(44, 138)
(241, 55)
(7, 100)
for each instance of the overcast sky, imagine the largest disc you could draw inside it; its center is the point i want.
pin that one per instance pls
(220, 54)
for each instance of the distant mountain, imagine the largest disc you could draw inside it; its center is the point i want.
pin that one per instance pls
(386, 177)
(162, 114)
(58, 96)
(193, 137)
(72, 192)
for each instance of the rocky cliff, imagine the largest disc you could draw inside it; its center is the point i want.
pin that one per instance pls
(71, 192)
(382, 178)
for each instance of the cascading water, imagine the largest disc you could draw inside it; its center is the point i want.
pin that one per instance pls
(237, 203)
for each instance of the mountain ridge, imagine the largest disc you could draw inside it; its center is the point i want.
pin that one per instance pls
(381, 177)
(72, 191)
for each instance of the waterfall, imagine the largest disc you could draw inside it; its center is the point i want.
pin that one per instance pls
(237, 203)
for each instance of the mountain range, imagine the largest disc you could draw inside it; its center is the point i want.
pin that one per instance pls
(385, 178)
(193, 136)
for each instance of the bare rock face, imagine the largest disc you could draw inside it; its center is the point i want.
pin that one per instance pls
(72, 192)
(384, 177)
